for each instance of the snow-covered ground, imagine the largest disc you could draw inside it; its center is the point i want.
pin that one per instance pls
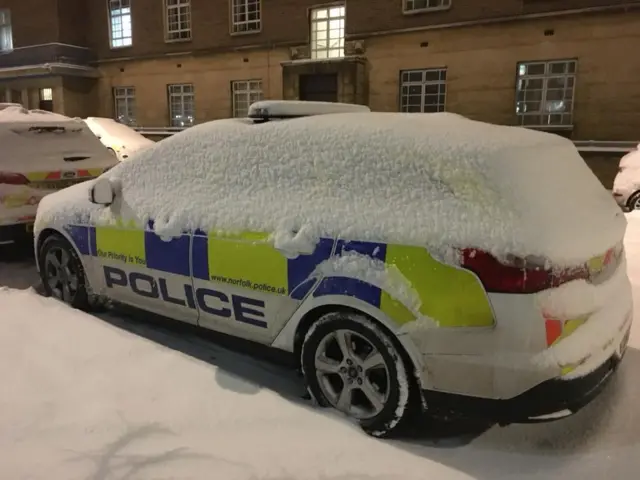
(106, 398)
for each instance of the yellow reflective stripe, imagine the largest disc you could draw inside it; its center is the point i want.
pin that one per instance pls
(450, 296)
(395, 310)
(247, 260)
(95, 172)
(120, 244)
(37, 176)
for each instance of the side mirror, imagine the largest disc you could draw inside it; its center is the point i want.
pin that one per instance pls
(102, 192)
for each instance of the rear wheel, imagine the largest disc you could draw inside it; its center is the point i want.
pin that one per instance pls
(352, 365)
(62, 273)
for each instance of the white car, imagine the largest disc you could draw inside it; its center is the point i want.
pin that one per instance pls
(40, 152)
(626, 186)
(410, 263)
(120, 140)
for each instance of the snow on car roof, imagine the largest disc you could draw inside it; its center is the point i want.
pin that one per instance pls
(294, 108)
(13, 112)
(418, 179)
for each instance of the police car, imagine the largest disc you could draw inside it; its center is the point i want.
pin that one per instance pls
(410, 263)
(41, 152)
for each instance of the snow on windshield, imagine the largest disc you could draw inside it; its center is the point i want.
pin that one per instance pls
(432, 180)
(124, 133)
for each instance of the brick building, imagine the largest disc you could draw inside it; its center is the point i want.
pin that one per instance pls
(566, 66)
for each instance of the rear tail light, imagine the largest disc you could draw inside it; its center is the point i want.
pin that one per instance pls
(10, 178)
(517, 275)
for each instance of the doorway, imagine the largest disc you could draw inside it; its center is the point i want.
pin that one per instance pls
(46, 99)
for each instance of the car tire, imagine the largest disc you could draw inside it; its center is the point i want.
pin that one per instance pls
(634, 201)
(62, 273)
(348, 350)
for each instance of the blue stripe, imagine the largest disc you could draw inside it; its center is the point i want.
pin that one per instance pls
(300, 268)
(167, 256)
(303, 289)
(200, 255)
(80, 236)
(93, 246)
(350, 287)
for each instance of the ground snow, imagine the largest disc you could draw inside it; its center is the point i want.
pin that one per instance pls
(431, 180)
(92, 401)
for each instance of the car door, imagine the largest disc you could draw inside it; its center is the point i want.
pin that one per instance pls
(246, 287)
(135, 266)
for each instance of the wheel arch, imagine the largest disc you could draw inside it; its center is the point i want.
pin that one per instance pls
(49, 232)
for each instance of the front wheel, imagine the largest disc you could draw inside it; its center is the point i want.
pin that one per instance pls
(634, 201)
(351, 364)
(61, 272)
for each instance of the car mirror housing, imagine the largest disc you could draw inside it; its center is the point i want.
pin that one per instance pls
(102, 192)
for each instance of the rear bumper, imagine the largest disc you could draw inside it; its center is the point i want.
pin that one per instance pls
(550, 400)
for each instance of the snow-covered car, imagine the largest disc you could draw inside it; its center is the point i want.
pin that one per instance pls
(626, 185)
(410, 263)
(41, 152)
(121, 140)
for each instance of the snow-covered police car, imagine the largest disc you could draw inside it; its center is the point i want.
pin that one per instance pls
(410, 262)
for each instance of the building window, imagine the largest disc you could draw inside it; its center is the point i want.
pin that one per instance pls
(411, 6)
(6, 35)
(125, 105)
(245, 16)
(544, 93)
(327, 32)
(243, 94)
(178, 20)
(181, 105)
(120, 23)
(423, 91)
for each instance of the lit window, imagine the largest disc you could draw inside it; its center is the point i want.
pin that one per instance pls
(327, 32)
(544, 93)
(245, 16)
(423, 91)
(6, 35)
(244, 93)
(46, 94)
(411, 6)
(178, 23)
(120, 23)
(124, 99)
(181, 105)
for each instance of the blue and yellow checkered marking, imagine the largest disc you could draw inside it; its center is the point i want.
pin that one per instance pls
(251, 257)
(451, 296)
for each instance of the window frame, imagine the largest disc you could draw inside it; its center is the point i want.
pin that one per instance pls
(314, 21)
(423, 84)
(233, 24)
(110, 17)
(412, 11)
(7, 23)
(567, 75)
(248, 91)
(182, 94)
(167, 31)
(130, 94)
